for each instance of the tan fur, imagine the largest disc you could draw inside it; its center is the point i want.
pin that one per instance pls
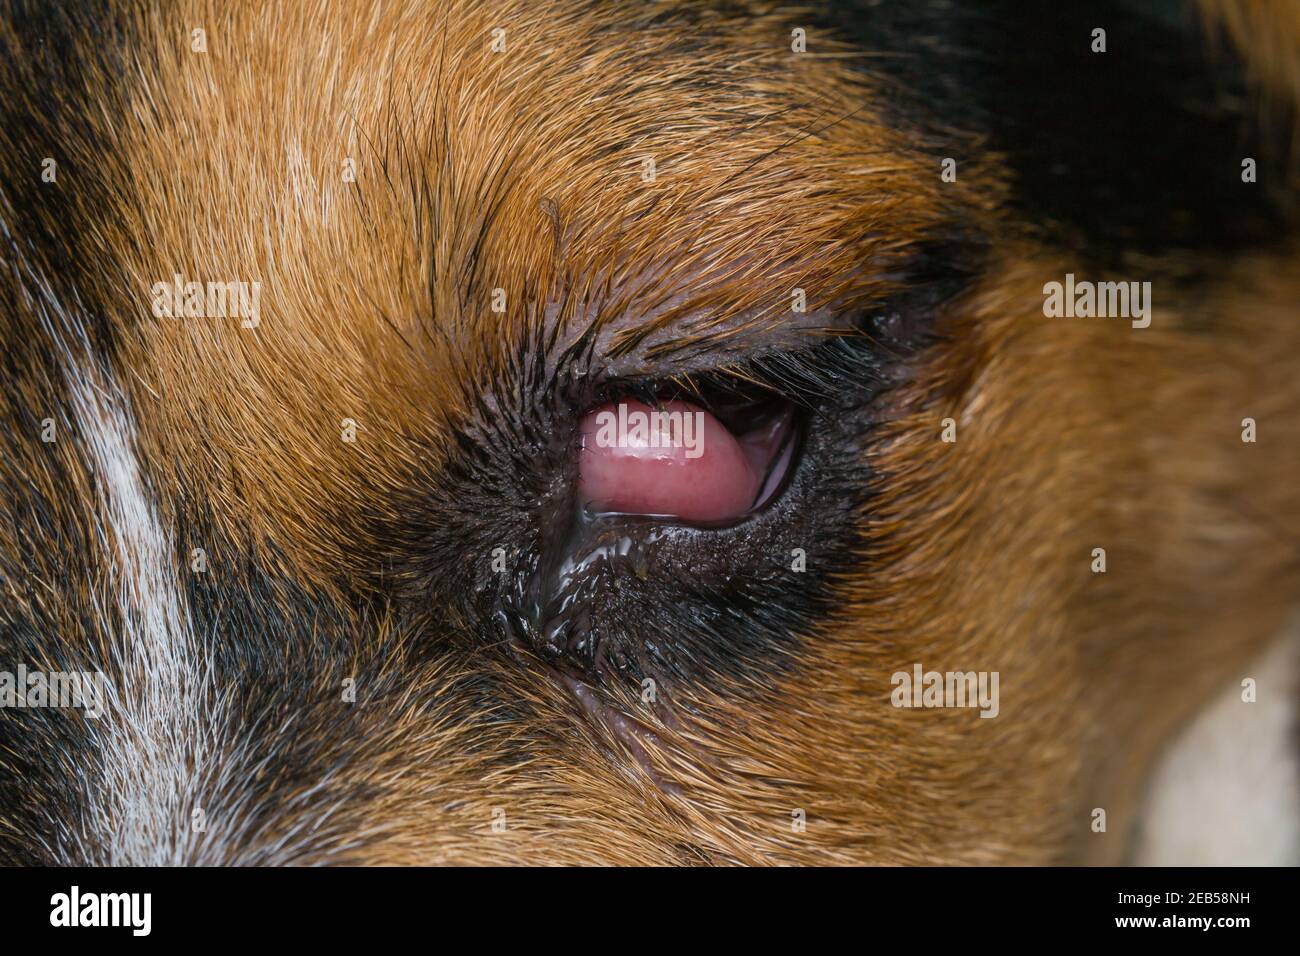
(1267, 34)
(1072, 435)
(351, 341)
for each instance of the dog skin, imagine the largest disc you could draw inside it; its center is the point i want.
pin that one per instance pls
(335, 566)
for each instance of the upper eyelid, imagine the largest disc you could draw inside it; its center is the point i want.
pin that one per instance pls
(636, 347)
(687, 355)
(812, 372)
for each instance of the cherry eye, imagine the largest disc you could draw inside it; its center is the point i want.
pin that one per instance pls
(676, 459)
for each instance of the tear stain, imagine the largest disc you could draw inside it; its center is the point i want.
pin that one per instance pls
(628, 731)
(548, 612)
(550, 605)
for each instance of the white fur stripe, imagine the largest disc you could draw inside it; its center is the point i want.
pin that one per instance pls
(155, 738)
(154, 750)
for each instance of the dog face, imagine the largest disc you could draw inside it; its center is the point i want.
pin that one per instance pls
(366, 586)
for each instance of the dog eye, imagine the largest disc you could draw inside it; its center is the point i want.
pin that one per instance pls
(703, 516)
(705, 464)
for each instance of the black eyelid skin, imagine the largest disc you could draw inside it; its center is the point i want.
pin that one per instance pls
(620, 598)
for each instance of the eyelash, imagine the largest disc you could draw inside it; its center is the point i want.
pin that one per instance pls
(837, 368)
